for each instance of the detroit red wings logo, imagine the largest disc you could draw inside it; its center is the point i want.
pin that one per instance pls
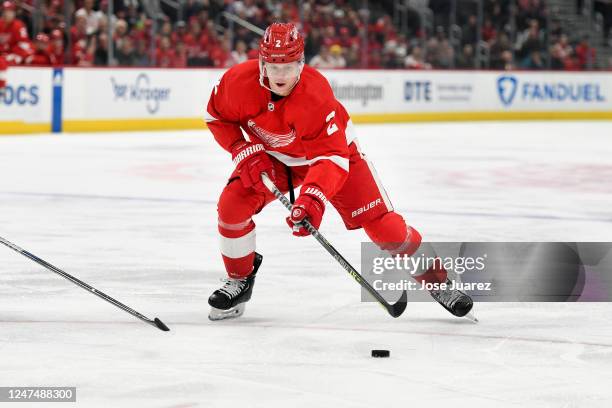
(270, 138)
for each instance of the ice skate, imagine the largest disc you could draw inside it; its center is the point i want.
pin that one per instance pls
(228, 302)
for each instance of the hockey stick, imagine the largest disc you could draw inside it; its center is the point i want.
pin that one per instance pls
(394, 310)
(156, 322)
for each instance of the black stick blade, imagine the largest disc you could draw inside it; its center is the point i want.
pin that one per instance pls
(398, 308)
(160, 325)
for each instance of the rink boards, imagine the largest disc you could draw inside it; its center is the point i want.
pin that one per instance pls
(100, 99)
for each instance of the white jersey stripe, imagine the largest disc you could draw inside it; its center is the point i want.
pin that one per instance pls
(208, 117)
(340, 161)
(238, 247)
(381, 188)
(235, 227)
(350, 132)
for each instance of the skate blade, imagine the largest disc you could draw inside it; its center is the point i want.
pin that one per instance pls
(231, 313)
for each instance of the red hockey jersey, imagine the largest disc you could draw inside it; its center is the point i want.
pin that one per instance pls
(309, 127)
(14, 38)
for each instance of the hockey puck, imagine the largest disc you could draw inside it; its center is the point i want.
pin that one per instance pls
(380, 353)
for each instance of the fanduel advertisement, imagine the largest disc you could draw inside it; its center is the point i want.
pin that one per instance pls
(554, 91)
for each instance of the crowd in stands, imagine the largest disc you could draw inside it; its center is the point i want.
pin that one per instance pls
(339, 34)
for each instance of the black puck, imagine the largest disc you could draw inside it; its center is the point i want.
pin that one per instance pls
(380, 353)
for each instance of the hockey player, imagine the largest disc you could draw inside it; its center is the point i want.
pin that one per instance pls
(295, 124)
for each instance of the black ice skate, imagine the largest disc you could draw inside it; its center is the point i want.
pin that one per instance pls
(229, 301)
(453, 300)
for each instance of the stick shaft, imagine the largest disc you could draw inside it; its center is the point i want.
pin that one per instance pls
(331, 250)
(77, 281)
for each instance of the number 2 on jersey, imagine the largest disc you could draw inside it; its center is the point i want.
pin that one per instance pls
(331, 128)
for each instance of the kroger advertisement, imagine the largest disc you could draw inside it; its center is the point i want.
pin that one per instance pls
(136, 94)
(27, 105)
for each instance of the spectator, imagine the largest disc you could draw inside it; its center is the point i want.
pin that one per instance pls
(78, 31)
(488, 32)
(180, 58)
(166, 31)
(15, 44)
(101, 54)
(120, 33)
(57, 47)
(141, 55)
(470, 31)
(92, 17)
(220, 53)
(247, 9)
(556, 29)
(529, 10)
(533, 61)
(180, 32)
(84, 51)
(531, 42)
(125, 55)
(439, 51)
(507, 61)
(325, 59)
(353, 61)
(498, 46)
(164, 56)
(465, 60)
(132, 16)
(239, 55)
(336, 56)
(415, 59)
(585, 54)
(560, 52)
(41, 55)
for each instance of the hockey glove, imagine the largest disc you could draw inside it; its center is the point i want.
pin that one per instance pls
(251, 160)
(309, 205)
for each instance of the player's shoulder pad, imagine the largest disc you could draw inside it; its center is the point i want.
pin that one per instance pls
(244, 72)
(316, 86)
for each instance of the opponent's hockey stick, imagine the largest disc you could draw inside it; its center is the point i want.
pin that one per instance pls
(155, 322)
(394, 310)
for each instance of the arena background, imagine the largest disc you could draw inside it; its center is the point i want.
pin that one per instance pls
(156, 62)
(488, 121)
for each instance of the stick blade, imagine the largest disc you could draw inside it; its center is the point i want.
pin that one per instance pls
(398, 308)
(470, 316)
(160, 325)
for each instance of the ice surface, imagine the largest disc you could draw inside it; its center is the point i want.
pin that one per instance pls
(135, 216)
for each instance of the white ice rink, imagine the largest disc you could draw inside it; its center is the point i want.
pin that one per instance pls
(135, 216)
